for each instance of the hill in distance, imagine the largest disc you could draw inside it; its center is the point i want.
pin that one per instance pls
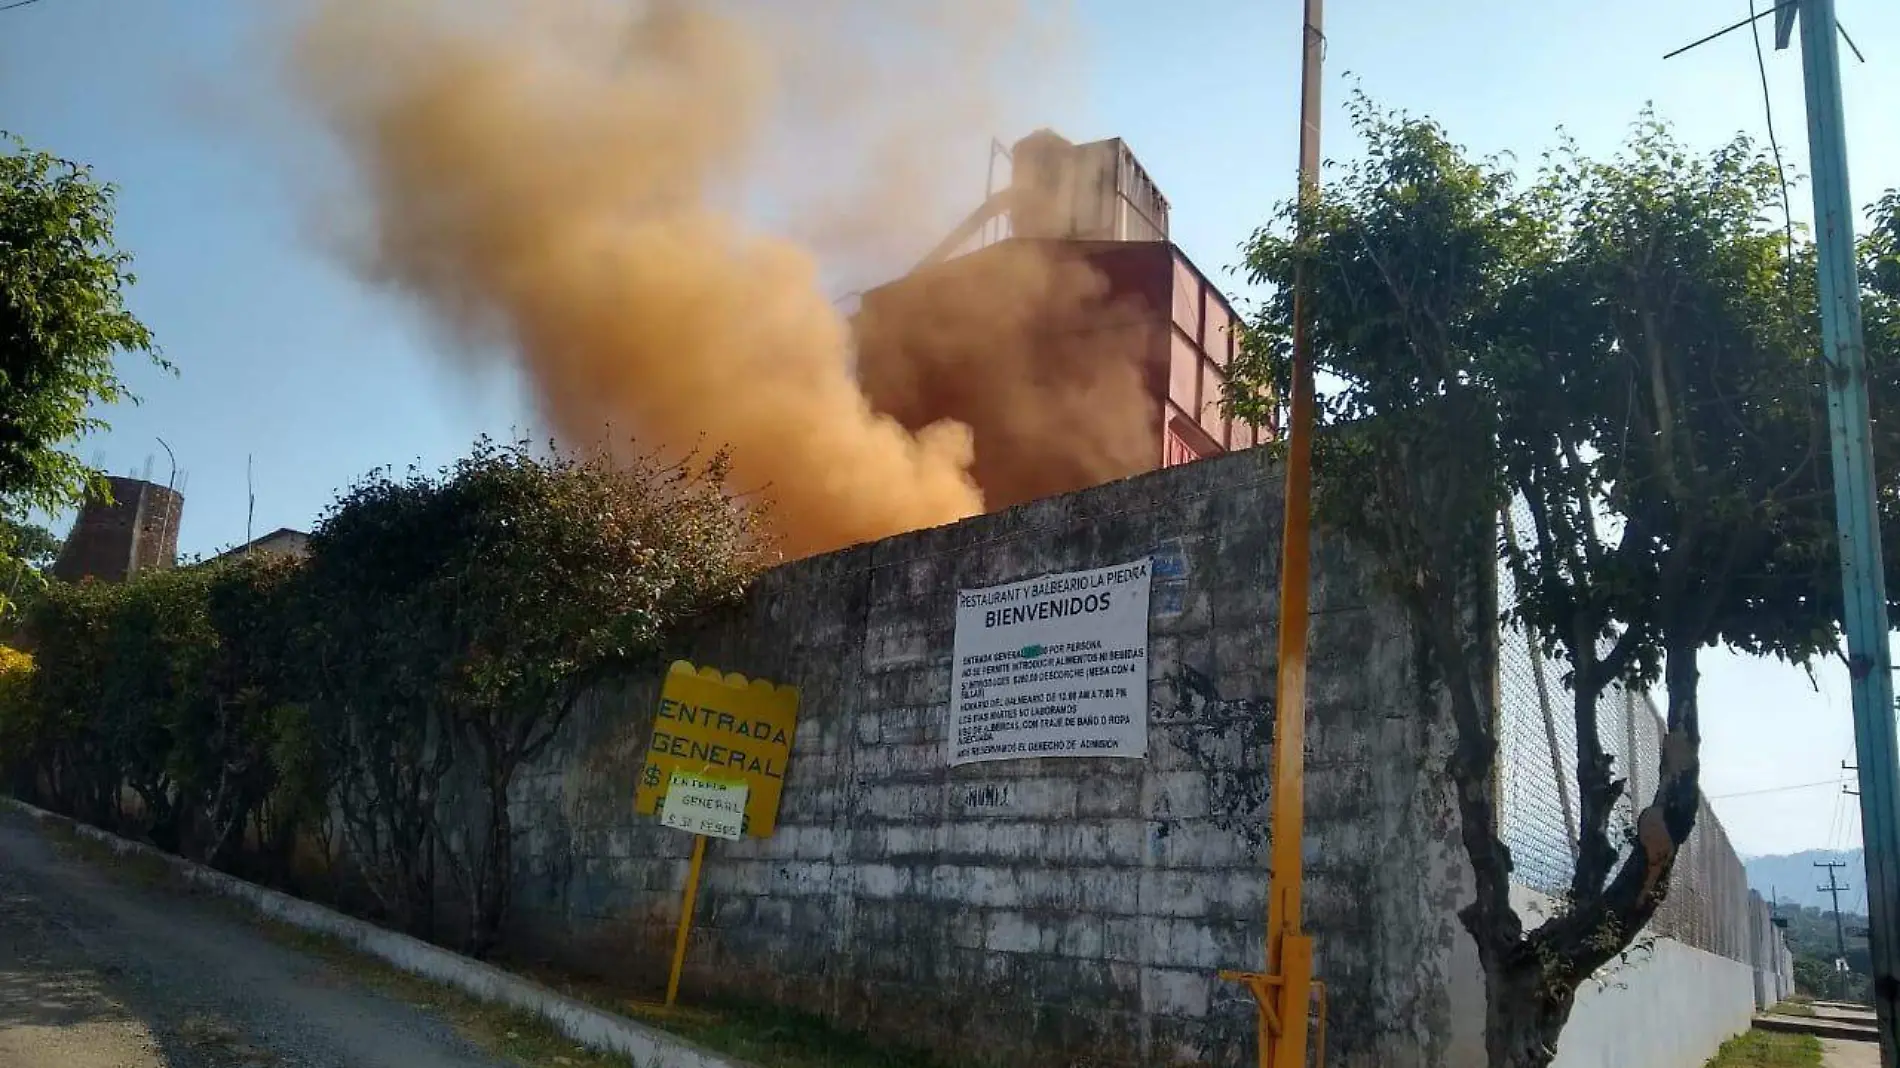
(1794, 878)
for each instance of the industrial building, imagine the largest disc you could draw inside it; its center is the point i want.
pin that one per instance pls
(1066, 278)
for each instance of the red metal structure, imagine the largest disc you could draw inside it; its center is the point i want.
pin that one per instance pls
(932, 345)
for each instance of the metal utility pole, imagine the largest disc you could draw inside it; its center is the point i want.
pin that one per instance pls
(1844, 356)
(1284, 992)
(1833, 890)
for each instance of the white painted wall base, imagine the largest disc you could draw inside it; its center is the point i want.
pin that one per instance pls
(1670, 1009)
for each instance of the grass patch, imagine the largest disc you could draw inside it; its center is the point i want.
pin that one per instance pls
(764, 1035)
(779, 1037)
(141, 868)
(761, 1034)
(516, 1034)
(1767, 1049)
(1792, 1007)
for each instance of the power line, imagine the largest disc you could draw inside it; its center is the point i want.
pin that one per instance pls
(1775, 789)
(17, 3)
(1850, 823)
(1699, 42)
(1834, 824)
(1774, 146)
(1847, 811)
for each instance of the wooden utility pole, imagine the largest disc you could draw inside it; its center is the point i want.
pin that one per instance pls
(1284, 992)
(1833, 889)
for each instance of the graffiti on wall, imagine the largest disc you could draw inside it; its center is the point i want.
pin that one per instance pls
(1229, 740)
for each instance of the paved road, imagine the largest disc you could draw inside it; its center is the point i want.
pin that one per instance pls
(1838, 1054)
(1845, 1053)
(98, 972)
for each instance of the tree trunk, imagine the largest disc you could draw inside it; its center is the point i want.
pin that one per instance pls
(414, 855)
(1598, 788)
(1521, 1025)
(277, 835)
(494, 868)
(1678, 789)
(227, 836)
(161, 814)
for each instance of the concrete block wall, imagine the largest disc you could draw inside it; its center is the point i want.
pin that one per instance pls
(1039, 911)
(1768, 954)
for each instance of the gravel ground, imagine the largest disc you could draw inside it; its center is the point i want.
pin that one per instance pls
(102, 973)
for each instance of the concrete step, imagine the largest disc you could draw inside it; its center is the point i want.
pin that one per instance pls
(1818, 1026)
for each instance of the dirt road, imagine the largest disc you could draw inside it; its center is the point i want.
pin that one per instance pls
(97, 972)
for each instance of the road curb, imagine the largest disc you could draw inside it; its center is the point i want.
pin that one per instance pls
(589, 1026)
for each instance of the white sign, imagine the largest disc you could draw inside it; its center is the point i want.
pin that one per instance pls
(1054, 666)
(704, 806)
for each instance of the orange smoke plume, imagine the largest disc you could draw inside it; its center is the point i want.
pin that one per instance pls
(566, 181)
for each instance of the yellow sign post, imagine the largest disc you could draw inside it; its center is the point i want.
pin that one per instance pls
(687, 900)
(725, 728)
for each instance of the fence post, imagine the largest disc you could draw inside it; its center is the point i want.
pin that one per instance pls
(1550, 740)
(1631, 755)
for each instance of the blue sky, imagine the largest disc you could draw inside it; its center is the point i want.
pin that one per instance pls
(286, 359)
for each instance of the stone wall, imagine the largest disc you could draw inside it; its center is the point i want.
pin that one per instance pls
(1038, 911)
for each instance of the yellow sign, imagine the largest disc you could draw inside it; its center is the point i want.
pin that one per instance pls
(727, 727)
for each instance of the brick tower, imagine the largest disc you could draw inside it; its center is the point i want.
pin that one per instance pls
(114, 538)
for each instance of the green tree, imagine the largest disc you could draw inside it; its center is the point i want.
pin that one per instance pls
(17, 720)
(555, 570)
(27, 552)
(1815, 943)
(156, 694)
(30, 544)
(370, 691)
(54, 737)
(1814, 977)
(1622, 348)
(176, 685)
(63, 324)
(494, 594)
(242, 755)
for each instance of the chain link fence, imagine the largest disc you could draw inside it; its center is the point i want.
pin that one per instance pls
(1709, 905)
